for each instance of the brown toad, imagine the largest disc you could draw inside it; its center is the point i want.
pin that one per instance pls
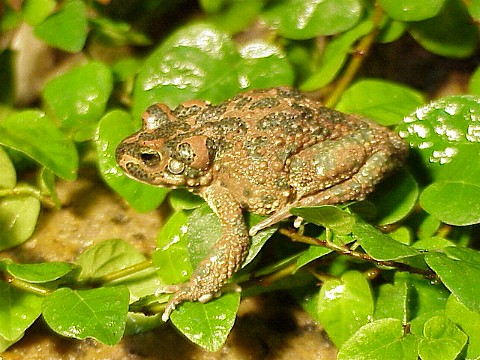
(263, 151)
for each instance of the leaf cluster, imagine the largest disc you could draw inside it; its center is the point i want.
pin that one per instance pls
(421, 299)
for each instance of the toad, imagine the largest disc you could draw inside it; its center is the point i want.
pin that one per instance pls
(264, 151)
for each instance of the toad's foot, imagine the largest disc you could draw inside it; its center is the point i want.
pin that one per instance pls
(206, 283)
(184, 292)
(211, 274)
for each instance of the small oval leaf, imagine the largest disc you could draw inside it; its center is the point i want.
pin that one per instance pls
(345, 305)
(98, 313)
(18, 218)
(452, 202)
(34, 134)
(207, 324)
(67, 28)
(306, 19)
(79, 110)
(8, 175)
(41, 272)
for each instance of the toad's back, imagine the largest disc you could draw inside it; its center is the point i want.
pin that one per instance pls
(265, 140)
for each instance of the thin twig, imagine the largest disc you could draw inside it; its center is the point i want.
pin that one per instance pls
(345, 250)
(356, 61)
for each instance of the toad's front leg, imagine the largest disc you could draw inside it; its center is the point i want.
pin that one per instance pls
(225, 257)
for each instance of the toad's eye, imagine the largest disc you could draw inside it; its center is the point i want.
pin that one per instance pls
(150, 157)
(176, 167)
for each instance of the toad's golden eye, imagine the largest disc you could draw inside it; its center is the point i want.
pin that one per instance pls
(150, 157)
(175, 166)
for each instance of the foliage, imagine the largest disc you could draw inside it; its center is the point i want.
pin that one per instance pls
(424, 300)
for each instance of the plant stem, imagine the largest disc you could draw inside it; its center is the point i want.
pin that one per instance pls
(21, 190)
(345, 250)
(25, 286)
(27, 190)
(119, 274)
(356, 61)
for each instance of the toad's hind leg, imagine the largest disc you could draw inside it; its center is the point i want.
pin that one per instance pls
(354, 188)
(225, 257)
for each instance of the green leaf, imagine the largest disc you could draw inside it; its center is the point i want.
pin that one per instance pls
(212, 6)
(116, 33)
(385, 102)
(35, 135)
(305, 19)
(442, 340)
(5, 344)
(188, 237)
(114, 255)
(451, 33)
(311, 254)
(443, 131)
(391, 30)
(18, 218)
(98, 313)
(452, 202)
(402, 234)
(411, 10)
(393, 299)
(171, 257)
(35, 11)
(474, 9)
(182, 199)
(380, 246)
(381, 339)
(335, 55)
(125, 69)
(201, 62)
(236, 15)
(139, 323)
(187, 66)
(18, 310)
(426, 299)
(474, 83)
(263, 65)
(468, 255)
(113, 128)
(40, 272)
(432, 244)
(468, 321)
(428, 227)
(46, 180)
(259, 239)
(81, 107)
(209, 324)
(107, 257)
(328, 216)
(8, 175)
(344, 306)
(66, 29)
(460, 277)
(395, 197)
(203, 230)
